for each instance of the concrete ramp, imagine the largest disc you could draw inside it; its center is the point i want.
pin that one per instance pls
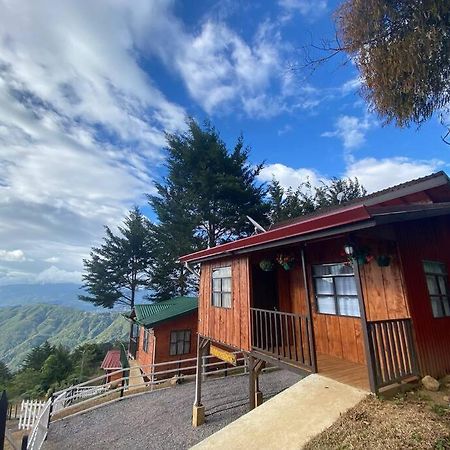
(290, 419)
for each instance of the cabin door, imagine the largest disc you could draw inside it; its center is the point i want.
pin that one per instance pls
(265, 289)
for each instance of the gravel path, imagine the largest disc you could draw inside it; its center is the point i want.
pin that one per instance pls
(162, 419)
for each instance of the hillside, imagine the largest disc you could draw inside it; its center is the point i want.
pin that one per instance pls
(24, 327)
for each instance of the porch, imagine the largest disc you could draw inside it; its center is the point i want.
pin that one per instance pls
(293, 323)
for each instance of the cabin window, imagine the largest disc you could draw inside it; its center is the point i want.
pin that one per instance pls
(221, 287)
(145, 341)
(335, 288)
(180, 342)
(437, 283)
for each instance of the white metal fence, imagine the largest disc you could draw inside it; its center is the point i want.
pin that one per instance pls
(75, 398)
(29, 411)
(40, 428)
(74, 394)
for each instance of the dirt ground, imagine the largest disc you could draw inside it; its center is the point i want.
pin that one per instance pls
(416, 420)
(162, 420)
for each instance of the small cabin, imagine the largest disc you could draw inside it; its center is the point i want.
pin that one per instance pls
(357, 292)
(163, 332)
(111, 363)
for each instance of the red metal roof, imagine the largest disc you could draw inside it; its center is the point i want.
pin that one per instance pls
(336, 216)
(112, 360)
(324, 221)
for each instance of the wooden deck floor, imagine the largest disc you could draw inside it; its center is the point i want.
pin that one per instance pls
(344, 371)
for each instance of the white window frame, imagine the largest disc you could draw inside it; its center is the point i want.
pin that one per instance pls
(221, 296)
(334, 294)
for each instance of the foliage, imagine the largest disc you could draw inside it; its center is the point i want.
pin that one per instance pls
(120, 266)
(60, 368)
(203, 201)
(26, 327)
(36, 358)
(289, 203)
(5, 375)
(402, 50)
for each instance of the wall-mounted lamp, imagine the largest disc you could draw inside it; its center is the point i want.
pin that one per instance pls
(348, 249)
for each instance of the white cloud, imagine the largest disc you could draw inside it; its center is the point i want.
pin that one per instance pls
(375, 174)
(12, 255)
(219, 68)
(55, 275)
(351, 130)
(288, 176)
(52, 259)
(81, 125)
(310, 8)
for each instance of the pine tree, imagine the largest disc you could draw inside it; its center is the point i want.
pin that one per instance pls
(37, 356)
(203, 201)
(120, 267)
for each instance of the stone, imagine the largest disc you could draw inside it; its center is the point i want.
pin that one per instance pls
(430, 383)
(445, 380)
(446, 398)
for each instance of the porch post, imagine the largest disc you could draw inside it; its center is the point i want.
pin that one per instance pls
(251, 381)
(198, 410)
(365, 330)
(312, 343)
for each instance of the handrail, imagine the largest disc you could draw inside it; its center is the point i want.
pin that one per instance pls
(282, 335)
(122, 383)
(392, 346)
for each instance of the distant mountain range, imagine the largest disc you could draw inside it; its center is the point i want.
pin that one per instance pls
(64, 294)
(24, 327)
(55, 294)
(33, 313)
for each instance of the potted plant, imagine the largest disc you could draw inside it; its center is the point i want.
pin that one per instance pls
(266, 265)
(286, 261)
(361, 255)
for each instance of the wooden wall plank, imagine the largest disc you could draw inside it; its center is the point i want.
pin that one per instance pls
(348, 339)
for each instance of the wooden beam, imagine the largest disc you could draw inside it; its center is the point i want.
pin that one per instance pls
(198, 410)
(252, 381)
(365, 330)
(311, 340)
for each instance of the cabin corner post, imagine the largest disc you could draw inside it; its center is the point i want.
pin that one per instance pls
(365, 329)
(198, 410)
(312, 344)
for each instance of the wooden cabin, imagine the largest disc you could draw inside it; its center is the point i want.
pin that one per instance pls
(111, 363)
(358, 292)
(163, 332)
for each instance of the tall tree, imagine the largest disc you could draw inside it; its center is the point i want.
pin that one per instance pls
(120, 267)
(290, 203)
(37, 356)
(402, 50)
(203, 201)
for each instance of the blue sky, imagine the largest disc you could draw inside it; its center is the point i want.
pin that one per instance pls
(87, 90)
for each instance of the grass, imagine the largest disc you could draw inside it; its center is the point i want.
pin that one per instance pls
(414, 420)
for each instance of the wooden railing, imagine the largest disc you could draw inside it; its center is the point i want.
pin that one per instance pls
(392, 347)
(283, 335)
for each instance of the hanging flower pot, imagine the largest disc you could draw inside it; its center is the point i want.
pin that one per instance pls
(286, 261)
(267, 265)
(383, 260)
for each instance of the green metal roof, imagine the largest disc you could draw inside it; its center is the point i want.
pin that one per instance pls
(151, 314)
